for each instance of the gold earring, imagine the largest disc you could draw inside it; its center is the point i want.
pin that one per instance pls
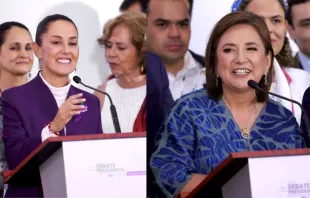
(142, 69)
(266, 79)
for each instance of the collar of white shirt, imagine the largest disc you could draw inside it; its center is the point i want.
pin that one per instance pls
(305, 61)
(189, 64)
(183, 82)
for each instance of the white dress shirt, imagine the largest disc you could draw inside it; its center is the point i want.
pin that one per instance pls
(305, 61)
(184, 81)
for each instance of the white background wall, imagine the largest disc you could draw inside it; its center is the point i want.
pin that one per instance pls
(89, 16)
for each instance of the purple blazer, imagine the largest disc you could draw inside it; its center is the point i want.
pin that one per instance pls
(27, 109)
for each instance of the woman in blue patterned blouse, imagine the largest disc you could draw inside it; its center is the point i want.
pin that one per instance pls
(205, 126)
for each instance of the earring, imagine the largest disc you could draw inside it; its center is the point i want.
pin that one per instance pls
(266, 79)
(217, 81)
(29, 75)
(142, 69)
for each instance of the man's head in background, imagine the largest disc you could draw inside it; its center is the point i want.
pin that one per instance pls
(133, 5)
(298, 17)
(168, 31)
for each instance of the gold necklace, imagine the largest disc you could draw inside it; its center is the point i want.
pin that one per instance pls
(244, 131)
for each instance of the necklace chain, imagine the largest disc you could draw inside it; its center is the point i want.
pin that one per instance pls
(244, 131)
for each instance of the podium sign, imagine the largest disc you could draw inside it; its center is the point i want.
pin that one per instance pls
(113, 168)
(283, 177)
(257, 174)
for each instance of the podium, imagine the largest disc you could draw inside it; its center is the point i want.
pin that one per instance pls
(259, 174)
(100, 165)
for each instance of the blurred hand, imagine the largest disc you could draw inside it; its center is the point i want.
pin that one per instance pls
(66, 111)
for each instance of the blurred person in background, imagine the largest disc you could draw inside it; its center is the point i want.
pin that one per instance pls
(298, 18)
(16, 60)
(168, 36)
(124, 40)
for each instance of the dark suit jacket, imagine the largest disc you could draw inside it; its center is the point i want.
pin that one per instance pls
(303, 126)
(159, 102)
(198, 58)
(26, 111)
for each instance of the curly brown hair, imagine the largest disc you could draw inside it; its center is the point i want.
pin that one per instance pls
(136, 23)
(284, 57)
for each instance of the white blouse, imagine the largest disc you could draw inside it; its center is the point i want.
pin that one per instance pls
(127, 102)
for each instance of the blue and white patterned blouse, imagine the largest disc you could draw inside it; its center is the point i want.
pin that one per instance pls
(199, 133)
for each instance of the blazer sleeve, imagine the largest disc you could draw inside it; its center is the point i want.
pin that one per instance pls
(172, 163)
(303, 126)
(166, 94)
(17, 144)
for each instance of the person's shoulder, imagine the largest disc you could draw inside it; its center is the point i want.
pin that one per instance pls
(274, 107)
(298, 74)
(20, 90)
(112, 82)
(198, 58)
(196, 98)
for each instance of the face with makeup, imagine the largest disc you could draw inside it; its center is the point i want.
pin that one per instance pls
(241, 57)
(121, 53)
(59, 50)
(274, 16)
(16, 56)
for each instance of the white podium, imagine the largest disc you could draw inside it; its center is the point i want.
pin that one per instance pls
(107, 165)
(263, 174)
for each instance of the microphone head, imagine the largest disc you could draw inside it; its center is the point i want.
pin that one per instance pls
(77, 79)
(252, 84)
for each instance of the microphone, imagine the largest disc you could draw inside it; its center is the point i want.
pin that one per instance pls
(306, 132)
(117, 127)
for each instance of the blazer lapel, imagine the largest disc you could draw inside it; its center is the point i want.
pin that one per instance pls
(45, 99)
(48, 103)
(71, 126)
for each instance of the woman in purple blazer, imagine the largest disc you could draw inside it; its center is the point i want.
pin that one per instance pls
(49, 105)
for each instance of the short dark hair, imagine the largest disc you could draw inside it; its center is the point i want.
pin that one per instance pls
(290, 4)
(215, 90)
(190, 11)
(5, 27)
(43, 25)
(127, 3)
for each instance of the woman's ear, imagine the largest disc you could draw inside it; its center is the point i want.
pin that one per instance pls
(268, 62)
(37, 50)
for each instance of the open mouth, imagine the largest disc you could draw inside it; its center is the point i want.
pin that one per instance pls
(241, 72)
(64, 60)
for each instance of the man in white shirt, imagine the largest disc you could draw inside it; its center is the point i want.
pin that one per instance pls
(168, 36)
(299, 29)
